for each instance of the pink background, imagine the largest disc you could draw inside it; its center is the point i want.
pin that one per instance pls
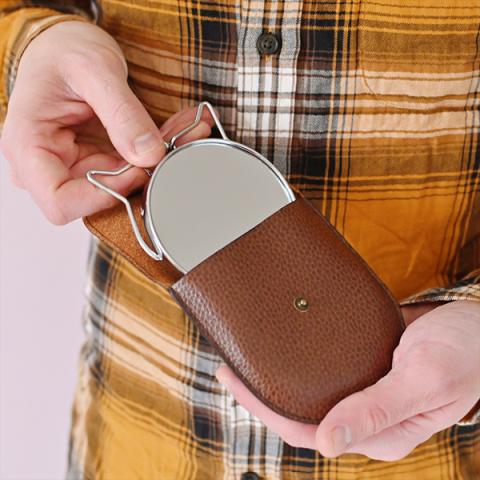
(42, 278)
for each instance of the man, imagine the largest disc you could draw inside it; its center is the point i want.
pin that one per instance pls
(370, 109)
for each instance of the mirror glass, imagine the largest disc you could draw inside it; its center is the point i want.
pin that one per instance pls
(207, 193)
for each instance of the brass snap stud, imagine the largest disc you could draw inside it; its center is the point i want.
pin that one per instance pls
(301, 304)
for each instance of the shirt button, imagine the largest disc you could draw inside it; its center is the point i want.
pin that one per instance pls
(268, 43)
(250, 476)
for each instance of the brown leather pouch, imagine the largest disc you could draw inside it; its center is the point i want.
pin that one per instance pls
(289, 306)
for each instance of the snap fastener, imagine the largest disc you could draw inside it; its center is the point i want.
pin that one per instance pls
(268, 43)
(301, 304)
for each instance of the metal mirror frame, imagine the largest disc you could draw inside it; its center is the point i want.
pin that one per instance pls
(171, 148)
(152, 233)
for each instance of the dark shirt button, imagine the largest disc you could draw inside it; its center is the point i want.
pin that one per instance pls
(250, 476)
(268, 43)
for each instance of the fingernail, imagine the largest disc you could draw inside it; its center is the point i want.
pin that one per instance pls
(146, 143)
(341, 436)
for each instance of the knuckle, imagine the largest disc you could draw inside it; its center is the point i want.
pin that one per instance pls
(96, 63)
(75, 62)
(434, 365)
(111, 60)
(442, 378)
(411, 429)
(435, 377)
(376, 418)
(422, 351)
(54, 213)
(437, 373)
(124, 113)
(55, 217)
(93, 60)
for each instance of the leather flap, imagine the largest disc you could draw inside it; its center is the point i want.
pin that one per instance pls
(114, 228)
(300, 357)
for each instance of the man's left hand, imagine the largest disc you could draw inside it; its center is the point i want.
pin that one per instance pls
(433, 383)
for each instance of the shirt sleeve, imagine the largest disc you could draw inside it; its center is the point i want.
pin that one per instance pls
(21, 21)
(466, 288)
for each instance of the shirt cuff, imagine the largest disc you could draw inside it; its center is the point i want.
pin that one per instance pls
(467, 288)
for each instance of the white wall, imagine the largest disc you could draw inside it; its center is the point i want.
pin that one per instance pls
(42, 276)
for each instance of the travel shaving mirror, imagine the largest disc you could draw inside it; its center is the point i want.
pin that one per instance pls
(203, 195)
(282, 297)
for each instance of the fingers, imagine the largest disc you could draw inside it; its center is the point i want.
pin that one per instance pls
(416, 384)
(186, 117)
(47, 169)
(51, 136)
(296, 434)
(129, 126)
(395, 442)
(183, 119)
(63, 198)
(93, 199)
(364, 414)
(97, 161)
(202, 130)
(391, 443)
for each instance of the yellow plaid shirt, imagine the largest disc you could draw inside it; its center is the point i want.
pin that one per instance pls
(370, 108)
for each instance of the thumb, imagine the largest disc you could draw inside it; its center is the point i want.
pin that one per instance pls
(131, 129)
(394, 398)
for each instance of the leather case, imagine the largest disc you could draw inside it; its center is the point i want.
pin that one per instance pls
(289, 306)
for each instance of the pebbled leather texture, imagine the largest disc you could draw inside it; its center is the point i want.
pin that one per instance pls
(299, 363)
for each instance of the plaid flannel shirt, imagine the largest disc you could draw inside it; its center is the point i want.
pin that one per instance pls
(371, 109)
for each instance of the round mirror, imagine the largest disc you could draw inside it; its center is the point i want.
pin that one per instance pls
(207, 193)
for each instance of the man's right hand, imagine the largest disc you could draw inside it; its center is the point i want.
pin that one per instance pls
(72, 110)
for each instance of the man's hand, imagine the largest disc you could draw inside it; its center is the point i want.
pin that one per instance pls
(72, 110)
(433, 383)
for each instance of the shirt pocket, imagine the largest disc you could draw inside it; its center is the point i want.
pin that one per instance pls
(417, 55)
